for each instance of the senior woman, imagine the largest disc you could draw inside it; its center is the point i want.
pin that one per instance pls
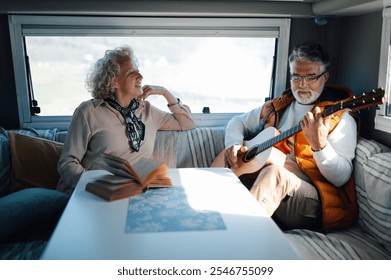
(118, 120)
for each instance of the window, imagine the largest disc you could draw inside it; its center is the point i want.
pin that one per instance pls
(383, 117)
(222, 73)
(227, 65)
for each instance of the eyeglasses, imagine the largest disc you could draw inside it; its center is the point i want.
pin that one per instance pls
(308, 79)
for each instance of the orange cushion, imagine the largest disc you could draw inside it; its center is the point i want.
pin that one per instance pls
(34, 162)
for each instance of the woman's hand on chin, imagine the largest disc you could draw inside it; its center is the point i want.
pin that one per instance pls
(157, 90)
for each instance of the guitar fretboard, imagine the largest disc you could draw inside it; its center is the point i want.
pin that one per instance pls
(295, 129)
(280, 137)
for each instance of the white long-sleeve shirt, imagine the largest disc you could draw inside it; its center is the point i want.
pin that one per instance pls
(334, 161)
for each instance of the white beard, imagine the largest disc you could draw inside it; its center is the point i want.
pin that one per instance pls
(309, 100)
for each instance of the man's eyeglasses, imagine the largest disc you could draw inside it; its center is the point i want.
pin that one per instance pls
(308, 79)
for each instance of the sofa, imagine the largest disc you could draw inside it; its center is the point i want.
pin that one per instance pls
(369, 238)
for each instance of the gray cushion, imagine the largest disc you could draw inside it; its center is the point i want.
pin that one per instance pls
(349, 244)
(201, 144)
(197, 147)
(365, 150)
(377, 216)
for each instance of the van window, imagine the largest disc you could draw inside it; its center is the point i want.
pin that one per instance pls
(218, 67)
(383, 116)
(224, 74)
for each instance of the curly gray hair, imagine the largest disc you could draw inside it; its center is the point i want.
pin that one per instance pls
(107, 69)
(311, 52)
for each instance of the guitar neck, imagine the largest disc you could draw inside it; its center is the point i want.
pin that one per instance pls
(295, 129)
(280, 137)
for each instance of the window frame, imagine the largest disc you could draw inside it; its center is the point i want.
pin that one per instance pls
(383, 119)
(21, 25)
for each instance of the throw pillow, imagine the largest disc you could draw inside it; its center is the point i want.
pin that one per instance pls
(377, 217)
(34, 161)
(28, 206)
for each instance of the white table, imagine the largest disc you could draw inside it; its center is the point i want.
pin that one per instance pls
(92, 228)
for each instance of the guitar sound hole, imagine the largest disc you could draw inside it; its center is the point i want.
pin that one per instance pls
(250, 154)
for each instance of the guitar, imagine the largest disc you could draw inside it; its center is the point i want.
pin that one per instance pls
(262, 149)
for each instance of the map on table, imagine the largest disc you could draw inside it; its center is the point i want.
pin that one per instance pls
(168, 209)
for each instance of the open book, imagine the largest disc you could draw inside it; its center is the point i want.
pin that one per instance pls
(128, 180)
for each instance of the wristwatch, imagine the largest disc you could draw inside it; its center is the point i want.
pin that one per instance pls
(318, 150)
(169, 105)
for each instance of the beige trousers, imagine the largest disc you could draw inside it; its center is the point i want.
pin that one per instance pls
(292, 202)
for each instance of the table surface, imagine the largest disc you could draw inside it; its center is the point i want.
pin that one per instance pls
(94, 229)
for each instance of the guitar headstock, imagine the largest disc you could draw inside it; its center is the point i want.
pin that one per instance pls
(367, 99)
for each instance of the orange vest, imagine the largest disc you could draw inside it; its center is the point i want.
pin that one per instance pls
(339, 204)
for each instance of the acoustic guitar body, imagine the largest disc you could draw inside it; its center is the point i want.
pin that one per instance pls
(252, 165)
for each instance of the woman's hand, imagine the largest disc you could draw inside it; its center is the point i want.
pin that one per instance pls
(158, 90)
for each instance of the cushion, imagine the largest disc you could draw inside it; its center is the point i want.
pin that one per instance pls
(25, 207)
(199, 147)
(377, 215)
(367, 148)
(50, 134)
(349, 244)
(34, 161)
(5, 163)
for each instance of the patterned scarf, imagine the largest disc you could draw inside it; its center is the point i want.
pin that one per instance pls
(135, 129)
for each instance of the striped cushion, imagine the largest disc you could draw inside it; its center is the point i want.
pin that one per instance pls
(350, 244)
(364, 150)
(377, 218)
(199, 147)
(166, 147)
(49, 134)
(367, 148)
(193, 148)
